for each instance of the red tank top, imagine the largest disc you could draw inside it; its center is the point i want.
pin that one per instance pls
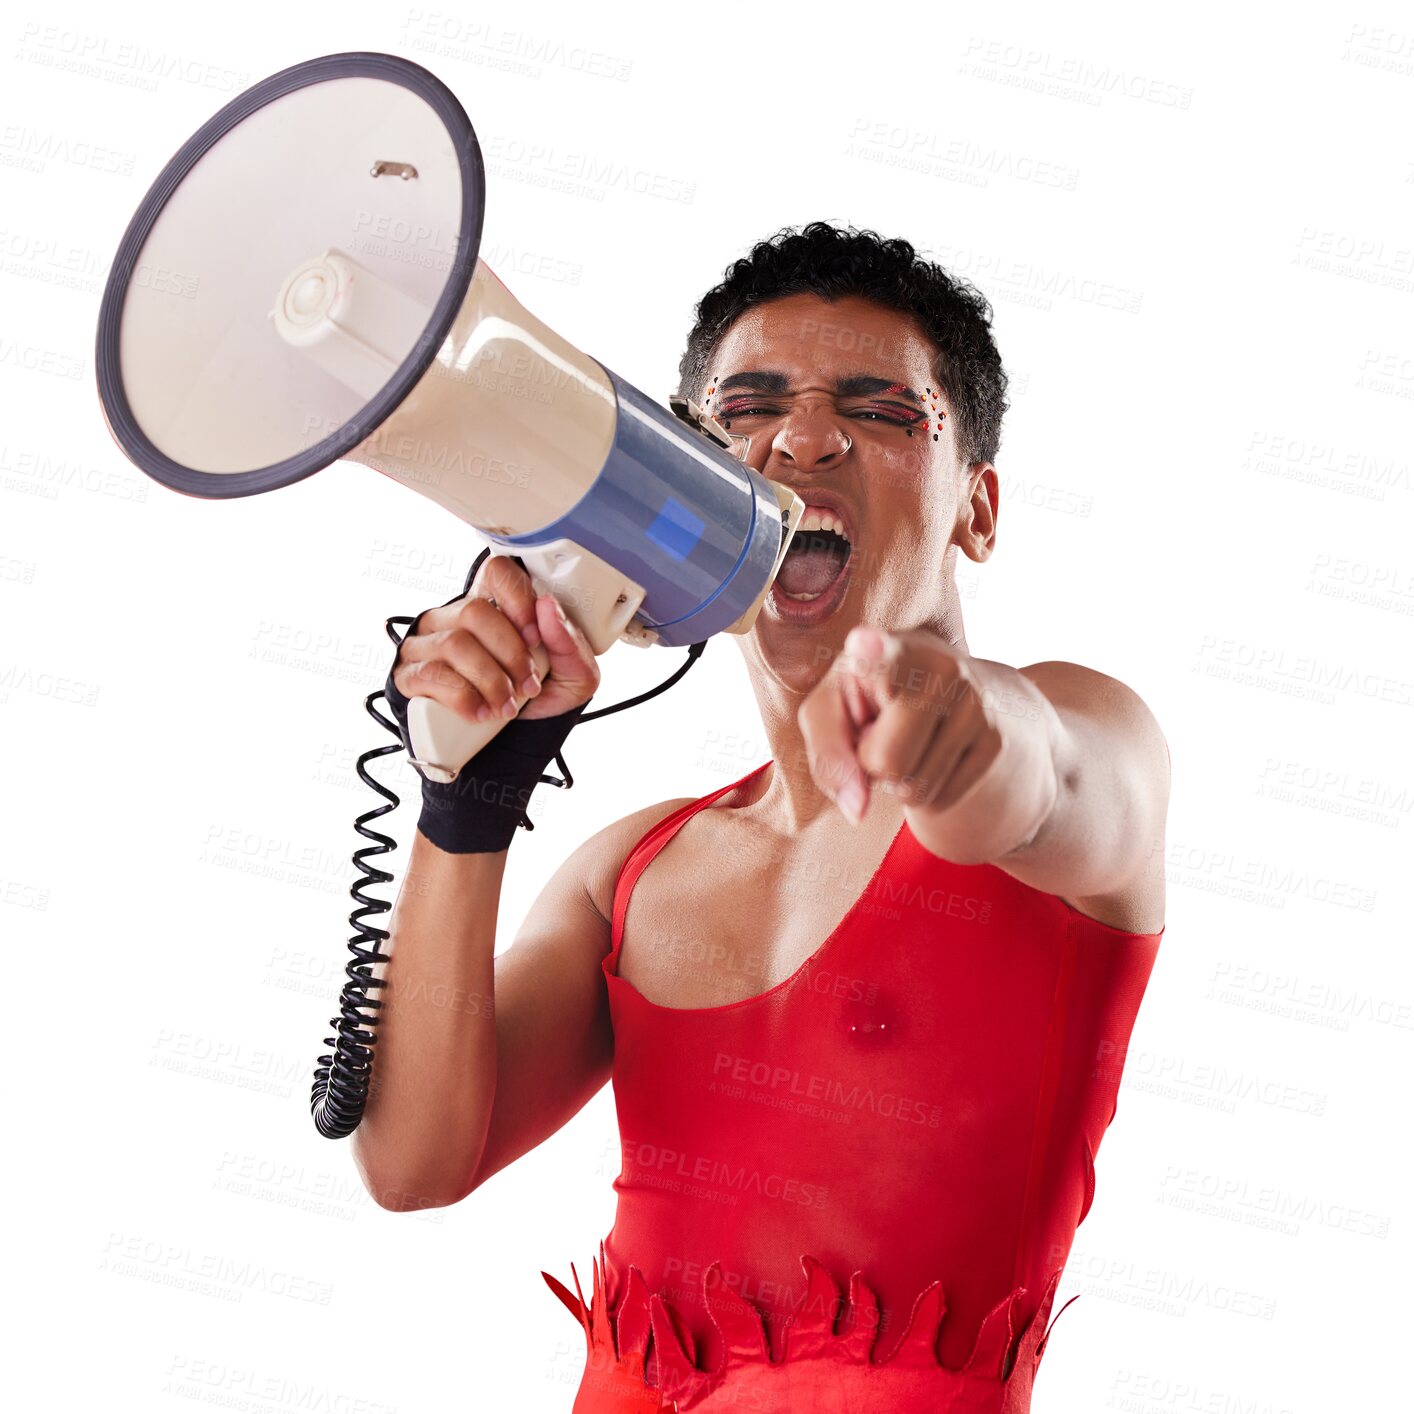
(859, 1188)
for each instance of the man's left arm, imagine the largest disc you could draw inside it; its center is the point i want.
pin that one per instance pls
(1055, 772)
(1077, 793)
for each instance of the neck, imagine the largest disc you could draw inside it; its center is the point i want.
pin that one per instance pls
(786, 797)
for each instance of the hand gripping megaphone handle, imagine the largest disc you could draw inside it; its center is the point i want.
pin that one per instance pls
(601, 602)
(443, 741)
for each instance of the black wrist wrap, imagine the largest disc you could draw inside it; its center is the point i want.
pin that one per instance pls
(480, 811)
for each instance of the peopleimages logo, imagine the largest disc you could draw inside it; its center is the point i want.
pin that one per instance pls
(824, 1089)
(941, 154)
(1065, 76)
(719, 1179)
(134, 65)
(510, 50)
(31, 149)
(544, 163)
(1034, 284)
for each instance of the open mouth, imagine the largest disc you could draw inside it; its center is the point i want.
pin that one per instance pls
(814, 561)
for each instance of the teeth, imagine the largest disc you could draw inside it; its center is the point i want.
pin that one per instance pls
(815, 519)
(820, 520)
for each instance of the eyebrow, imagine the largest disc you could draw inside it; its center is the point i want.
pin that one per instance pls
(854, 385)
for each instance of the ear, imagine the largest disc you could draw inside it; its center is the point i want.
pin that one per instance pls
(977, 514)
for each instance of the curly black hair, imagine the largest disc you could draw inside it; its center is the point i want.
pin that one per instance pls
(832, 262)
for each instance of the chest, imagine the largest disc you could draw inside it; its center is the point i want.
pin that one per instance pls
(722, 914)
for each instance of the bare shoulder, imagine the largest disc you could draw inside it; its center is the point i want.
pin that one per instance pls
(1102, 849)
(601, 858)
(1092, 695)
(575, 906)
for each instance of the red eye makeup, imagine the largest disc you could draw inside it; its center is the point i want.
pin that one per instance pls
(924, 412)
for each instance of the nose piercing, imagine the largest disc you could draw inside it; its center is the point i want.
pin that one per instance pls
(848, 443)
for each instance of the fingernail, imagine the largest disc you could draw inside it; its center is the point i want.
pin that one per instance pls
(530, 685)
(851, 801)
(865, 641)
(559, 611)
(483, 713)
(510, 709)
(531, 634)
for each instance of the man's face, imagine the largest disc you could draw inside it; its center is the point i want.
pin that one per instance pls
(841, 405)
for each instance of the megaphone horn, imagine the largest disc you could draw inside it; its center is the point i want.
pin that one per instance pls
(297, 335)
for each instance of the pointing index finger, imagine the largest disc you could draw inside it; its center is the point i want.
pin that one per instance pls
(830, 735)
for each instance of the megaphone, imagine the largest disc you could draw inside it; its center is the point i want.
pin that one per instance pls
(302, 284)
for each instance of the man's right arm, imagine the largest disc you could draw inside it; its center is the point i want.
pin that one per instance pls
(480, 1058)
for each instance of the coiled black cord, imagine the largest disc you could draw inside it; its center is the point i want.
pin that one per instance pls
(342, 1076)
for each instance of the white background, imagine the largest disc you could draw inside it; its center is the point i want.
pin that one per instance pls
(1196, 231)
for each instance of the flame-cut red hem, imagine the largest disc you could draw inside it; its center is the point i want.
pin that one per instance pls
(834, 1373)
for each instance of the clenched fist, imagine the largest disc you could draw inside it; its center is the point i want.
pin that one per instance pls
(474, 655)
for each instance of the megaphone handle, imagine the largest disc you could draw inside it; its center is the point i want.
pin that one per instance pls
(443, 741)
